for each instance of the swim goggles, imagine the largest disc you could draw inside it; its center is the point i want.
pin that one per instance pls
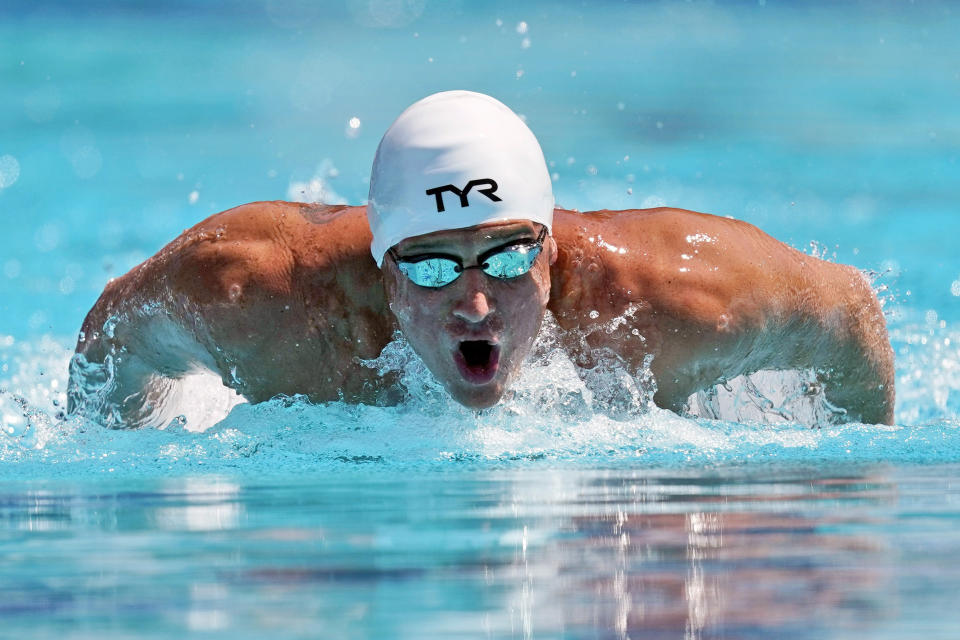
(507, 261)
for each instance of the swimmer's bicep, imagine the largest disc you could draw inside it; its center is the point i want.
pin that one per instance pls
(166, 344)
(137, 320)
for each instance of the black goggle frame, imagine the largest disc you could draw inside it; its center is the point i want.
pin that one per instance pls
(436, 270)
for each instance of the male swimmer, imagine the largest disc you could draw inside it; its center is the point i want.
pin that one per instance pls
(468, 252)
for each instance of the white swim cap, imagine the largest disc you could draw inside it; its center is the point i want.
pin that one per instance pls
(452, 160)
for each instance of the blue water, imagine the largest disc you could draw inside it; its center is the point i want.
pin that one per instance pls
(833, 126)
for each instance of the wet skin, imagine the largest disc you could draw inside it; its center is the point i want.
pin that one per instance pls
(284, 298)
(504, 314)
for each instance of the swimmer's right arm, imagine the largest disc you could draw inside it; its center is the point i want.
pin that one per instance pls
(201, 300)
(133, 344)
(275, 298)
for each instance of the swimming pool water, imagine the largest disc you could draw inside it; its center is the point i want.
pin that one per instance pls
(833, 124)
(532, 553)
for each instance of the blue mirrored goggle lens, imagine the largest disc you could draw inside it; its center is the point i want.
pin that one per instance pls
(432, 272)
(439, 272)
(511, 263)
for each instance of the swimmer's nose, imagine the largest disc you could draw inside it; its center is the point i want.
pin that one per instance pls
(474, 305)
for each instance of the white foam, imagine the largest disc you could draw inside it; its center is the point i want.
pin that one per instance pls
(316, 188)
(551, 416)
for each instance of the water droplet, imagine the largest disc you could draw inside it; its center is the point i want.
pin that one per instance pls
(47, 238)
(86, 161)
(594, 314)
(9, 171)
(11, 268)
(110, 326)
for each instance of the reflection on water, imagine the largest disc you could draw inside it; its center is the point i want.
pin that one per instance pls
(558, 553)
(206, 506)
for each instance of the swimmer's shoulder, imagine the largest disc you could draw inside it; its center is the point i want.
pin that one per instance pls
(281, 222)
(653, 221)
(659, 231)
(685, 264)
(264, 246)
(625, 238)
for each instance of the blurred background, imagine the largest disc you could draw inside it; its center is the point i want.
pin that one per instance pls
(122, 122)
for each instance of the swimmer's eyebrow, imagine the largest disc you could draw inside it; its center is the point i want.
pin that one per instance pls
(494, 238)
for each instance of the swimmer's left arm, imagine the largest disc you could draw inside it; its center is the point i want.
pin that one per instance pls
(713, 298)
(853, 357)
(789, 310)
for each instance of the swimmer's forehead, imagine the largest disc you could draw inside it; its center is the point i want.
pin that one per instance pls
(476, 238)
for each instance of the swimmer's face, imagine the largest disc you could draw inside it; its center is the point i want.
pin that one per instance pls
(475, 332)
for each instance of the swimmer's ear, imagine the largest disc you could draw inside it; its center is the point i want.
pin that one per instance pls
(391, 277)
(552, 249)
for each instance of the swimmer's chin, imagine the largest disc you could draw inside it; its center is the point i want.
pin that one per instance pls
(477, 398)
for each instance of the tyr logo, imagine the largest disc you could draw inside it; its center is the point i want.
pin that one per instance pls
(491, 188)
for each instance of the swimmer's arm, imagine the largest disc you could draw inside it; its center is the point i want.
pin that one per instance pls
(273, 297)
(716, 298)
(132, 347)
(852, 355)
(800, 313)
(145, 332)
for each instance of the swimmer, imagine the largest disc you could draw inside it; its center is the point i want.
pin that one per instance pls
(461, 249)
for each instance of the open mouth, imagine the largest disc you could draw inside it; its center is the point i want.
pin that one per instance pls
(478, 360)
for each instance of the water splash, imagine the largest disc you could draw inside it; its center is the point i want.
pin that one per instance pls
(550, 417)
(768, 397)
(317, 188)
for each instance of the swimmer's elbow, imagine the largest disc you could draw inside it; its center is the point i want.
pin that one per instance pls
(862, 367)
